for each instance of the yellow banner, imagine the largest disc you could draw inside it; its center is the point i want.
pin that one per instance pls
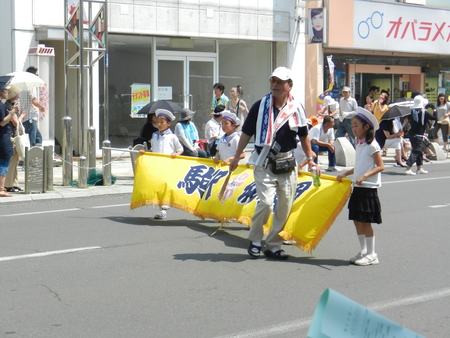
(193, 185)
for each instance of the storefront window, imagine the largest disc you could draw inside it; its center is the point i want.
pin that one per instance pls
(129, 63)
(245, 63)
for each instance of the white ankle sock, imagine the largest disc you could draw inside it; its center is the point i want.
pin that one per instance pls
(362, 242)
(370, 245)
(256, 243)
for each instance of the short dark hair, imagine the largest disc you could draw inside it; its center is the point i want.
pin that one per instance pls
(373, 88)
(219, 86)
(327, 119)
(219, 108)
(32, 70)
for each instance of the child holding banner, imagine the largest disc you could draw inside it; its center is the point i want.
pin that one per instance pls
(364, 205)
(227, 146)
(165, 142)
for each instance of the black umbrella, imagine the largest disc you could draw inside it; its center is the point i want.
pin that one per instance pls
(4, 80)
(396, 111)
(160, 104)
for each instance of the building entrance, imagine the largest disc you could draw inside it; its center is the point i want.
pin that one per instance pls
(188, 81)
(398, 81)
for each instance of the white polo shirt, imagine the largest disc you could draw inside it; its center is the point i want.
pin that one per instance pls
(317, 133)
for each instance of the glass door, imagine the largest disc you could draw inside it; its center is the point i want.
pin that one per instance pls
(200, 92)
(188, 81)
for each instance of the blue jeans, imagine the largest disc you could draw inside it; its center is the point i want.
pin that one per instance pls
(4, 167)
(345, 127)
(331, 155)
(33, 132)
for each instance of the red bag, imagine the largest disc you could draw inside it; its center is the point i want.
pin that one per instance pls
(202, 144)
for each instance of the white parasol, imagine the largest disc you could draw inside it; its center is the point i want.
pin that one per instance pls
(26, 80)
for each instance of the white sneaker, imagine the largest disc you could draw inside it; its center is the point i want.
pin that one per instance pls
(421, 171)
(409, 172)
(161, 215)
(358, 256)
(368, 260)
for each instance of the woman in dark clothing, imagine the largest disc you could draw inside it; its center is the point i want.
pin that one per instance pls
(6, 150)
(147, 131)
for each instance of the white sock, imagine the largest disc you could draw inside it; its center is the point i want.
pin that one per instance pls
(362, 242)
(256, 243)
(370, 245)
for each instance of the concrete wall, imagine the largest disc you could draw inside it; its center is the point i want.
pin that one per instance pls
(230, 19)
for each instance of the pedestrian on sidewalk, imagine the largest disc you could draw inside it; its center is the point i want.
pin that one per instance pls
(12, 177)
(364, 206)
(213, 130)
(29, 101)
(6, 149)
(418, 120)
(347, 110)
(322, 139)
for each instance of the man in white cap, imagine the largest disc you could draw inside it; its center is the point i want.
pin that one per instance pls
(275, 121)
(418, 119)
(347, 110)
(331, 108)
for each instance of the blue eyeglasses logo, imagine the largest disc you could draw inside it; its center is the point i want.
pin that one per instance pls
(375, 20)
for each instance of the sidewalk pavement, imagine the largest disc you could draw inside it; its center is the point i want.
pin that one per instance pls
(123, 171)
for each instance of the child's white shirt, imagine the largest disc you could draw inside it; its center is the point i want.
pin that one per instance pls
(227, 150)
(364, 163)
(166, 144)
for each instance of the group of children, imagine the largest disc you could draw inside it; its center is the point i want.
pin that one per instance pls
(164, 141)
(364, 205)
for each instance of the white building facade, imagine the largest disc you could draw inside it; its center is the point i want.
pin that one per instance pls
(178, 48)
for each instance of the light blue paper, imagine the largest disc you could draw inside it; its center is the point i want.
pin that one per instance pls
(339, 316)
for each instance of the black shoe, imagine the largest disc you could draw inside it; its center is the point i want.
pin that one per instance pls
(401, 165)
(253, 250)
(279, 254)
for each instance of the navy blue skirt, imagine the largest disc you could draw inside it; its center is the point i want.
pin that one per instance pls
(364, 206)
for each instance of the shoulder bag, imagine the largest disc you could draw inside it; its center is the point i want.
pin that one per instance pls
(21, 141)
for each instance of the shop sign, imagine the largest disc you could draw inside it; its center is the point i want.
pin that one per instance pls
(401, 28)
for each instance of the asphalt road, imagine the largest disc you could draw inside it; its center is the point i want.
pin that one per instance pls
(92, 268)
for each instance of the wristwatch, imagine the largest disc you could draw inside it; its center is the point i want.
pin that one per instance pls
(310, 158)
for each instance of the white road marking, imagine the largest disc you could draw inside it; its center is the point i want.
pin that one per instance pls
(110, 206)
(64, 210)
(420, 298)
(439, 206)
(49, 253)
(41, 212)
(416, 180)
(305, 322)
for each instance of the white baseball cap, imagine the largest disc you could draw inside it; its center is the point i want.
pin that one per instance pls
(282, 73)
